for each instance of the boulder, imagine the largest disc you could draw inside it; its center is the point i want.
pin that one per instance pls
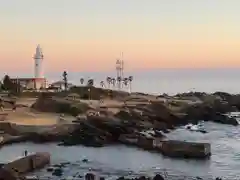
(158, 112)
(27, 164)
(48, 103)
(158, 177)
(209, 112)
(8, 175)
(89, 176)
(57, 172)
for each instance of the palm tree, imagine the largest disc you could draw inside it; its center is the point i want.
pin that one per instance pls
(109, 79)
(90, 84)
(130, 79)
(65, 80)
(82, 81)
(113, 82)
(125, 81)
(119, 82)
(82, 89)
(102, 84)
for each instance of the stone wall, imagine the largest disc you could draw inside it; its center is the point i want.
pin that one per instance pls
(28, 163)
(185, 149)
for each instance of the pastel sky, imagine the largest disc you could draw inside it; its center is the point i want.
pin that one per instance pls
(84, 35)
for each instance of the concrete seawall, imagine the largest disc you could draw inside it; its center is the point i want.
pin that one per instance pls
(171, 148)
(24, 165)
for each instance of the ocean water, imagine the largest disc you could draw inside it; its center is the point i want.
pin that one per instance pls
(169, 81)
(158, 81)
(114, 161)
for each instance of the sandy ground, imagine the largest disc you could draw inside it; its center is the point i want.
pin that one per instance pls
(26, 101)
(23, 116)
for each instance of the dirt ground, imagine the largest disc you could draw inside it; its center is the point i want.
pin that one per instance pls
(24, 116)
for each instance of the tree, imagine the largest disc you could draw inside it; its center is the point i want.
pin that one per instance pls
(102, 84)
(113, 82)
(125, 81)
(109, 79)
(13, 87)
(130, 79)
(90, 85)
(81, 81)
(65, 80)
(7, 83)
(1, 86)
(119, 79)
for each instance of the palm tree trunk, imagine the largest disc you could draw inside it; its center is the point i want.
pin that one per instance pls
(130, 87)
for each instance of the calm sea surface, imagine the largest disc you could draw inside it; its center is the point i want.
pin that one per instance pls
(157, 81)
(120, 160)
(170, 81)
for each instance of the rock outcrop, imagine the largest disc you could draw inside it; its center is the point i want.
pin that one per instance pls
(16, 170)
(48, 103)
(210, 112)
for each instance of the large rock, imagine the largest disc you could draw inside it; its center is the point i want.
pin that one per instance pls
(210, 112)
(48, 103)
(9, 175)
(159, 112)
(27, 164)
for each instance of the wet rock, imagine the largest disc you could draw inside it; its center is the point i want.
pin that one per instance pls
(121, 178)
(158, 177)
(50, 169)
(89, 176)
(57, 172)
(57, 165)
(85, 160)
(209, 112)
(142, 178)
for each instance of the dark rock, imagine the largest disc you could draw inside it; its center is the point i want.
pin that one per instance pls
(101, 178)
(224, 119)
(121, 178)
(89, 176)
(50, 169)
(158, 177)
(85, 160)
(142, 178)
(57, 172)
(159, 134)
(208, 112)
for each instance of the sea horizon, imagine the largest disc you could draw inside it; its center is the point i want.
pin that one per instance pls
(158, 81)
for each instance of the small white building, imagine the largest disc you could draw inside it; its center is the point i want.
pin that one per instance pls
(60, 85)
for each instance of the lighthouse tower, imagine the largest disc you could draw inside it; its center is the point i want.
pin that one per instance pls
(38, 60)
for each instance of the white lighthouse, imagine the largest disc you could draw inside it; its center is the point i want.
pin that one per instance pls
(38, 61)
(38, 81)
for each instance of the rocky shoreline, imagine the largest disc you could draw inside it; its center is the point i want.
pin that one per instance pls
(125, 121)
